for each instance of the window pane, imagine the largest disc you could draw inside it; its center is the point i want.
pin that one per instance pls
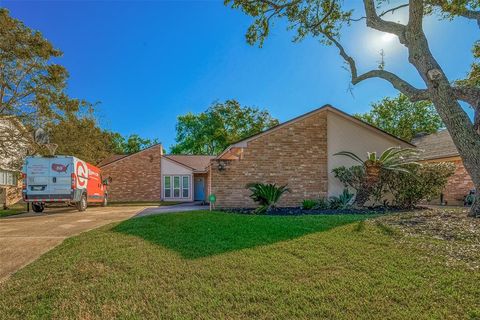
(176, 187)
(2, 177)
(185, 188)
(176, 182)
(167, 186)
(167, 182)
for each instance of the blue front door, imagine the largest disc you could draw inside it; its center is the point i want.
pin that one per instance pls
(199, 189)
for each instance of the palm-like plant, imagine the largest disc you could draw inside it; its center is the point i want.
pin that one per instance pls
(266, 195)
(393, 159)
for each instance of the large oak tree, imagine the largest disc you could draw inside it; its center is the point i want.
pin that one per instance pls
(328, 19)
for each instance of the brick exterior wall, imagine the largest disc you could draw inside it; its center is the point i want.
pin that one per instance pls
(295, 154)
(458, 185)
(136, 177)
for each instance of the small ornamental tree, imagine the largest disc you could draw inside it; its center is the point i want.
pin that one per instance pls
(392, 159)
(425, 182)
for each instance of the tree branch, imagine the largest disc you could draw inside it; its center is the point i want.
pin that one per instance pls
(376, 22)
(468, 94)
(401, 85)
(391, 10)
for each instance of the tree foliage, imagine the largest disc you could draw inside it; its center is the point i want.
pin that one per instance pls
(222, 124)
(403, 118)
(423, 182)
(32, 87)
(82, 138)
(392, 159)
(327, 20)
(129, 144)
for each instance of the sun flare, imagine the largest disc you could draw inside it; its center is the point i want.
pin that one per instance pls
(387, 37)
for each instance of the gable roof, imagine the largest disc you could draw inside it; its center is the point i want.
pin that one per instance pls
(327, 107)
(195, 162)
(436, 145)
(117, 157)
(112, 158)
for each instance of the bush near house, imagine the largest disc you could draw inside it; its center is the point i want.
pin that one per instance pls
(424, 183)
(418, 183)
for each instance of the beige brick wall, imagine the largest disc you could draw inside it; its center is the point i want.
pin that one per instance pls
(137, 177)
(295, 154)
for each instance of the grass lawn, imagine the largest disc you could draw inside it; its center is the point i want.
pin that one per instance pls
(222, 266)
(141, 203)
(14, 209)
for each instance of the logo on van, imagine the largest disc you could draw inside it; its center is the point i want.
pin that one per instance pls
(82, 174)
(59, 167)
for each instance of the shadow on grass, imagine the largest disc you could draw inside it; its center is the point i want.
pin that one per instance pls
(202, 233)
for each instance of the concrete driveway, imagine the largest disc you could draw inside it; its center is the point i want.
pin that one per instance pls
(25, 237)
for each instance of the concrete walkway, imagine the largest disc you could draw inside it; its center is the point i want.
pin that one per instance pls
(25, 237)
(182, 207)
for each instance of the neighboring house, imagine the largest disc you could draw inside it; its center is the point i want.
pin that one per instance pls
(149, 175)
(439, 147)
(14, 142)
(298, 153)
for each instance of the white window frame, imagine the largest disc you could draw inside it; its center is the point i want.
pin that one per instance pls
(8, 178)
(181, 187)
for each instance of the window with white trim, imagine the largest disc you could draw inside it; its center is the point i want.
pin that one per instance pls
(176, 186)
(8, 178)
(166, 186)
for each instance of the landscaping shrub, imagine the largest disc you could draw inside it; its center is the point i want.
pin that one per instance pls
(343, 201)
(266, 195)
(425, 182)
(354, 178)
(323, 204)
(309, 204)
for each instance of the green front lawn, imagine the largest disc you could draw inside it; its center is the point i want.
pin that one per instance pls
(14, 209)
(226, 266)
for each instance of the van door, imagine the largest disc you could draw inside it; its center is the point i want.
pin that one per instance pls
(48, 178)
(60, 179)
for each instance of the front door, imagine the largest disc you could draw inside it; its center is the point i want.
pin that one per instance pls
(199, 189)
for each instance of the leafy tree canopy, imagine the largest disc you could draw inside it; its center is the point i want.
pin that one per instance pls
(403, 118)
(130, 144)
(222, 124)
(32, 87)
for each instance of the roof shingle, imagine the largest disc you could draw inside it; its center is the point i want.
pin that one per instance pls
(436, 145)
(196, 162)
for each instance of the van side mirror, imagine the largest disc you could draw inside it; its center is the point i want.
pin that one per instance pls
(107, 181)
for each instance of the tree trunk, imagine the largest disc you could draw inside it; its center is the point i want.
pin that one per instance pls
(458, 124)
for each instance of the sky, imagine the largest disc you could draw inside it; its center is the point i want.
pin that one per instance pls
(147, 62)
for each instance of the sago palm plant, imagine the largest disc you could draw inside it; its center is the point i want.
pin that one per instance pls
(266, 195)
(393, 159)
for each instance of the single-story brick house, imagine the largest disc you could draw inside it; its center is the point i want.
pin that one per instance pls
(150, 175)
(439, 147)
(299, 153)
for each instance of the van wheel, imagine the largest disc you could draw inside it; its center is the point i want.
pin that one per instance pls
(82, 204)
(105, 201)
(37, 207)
